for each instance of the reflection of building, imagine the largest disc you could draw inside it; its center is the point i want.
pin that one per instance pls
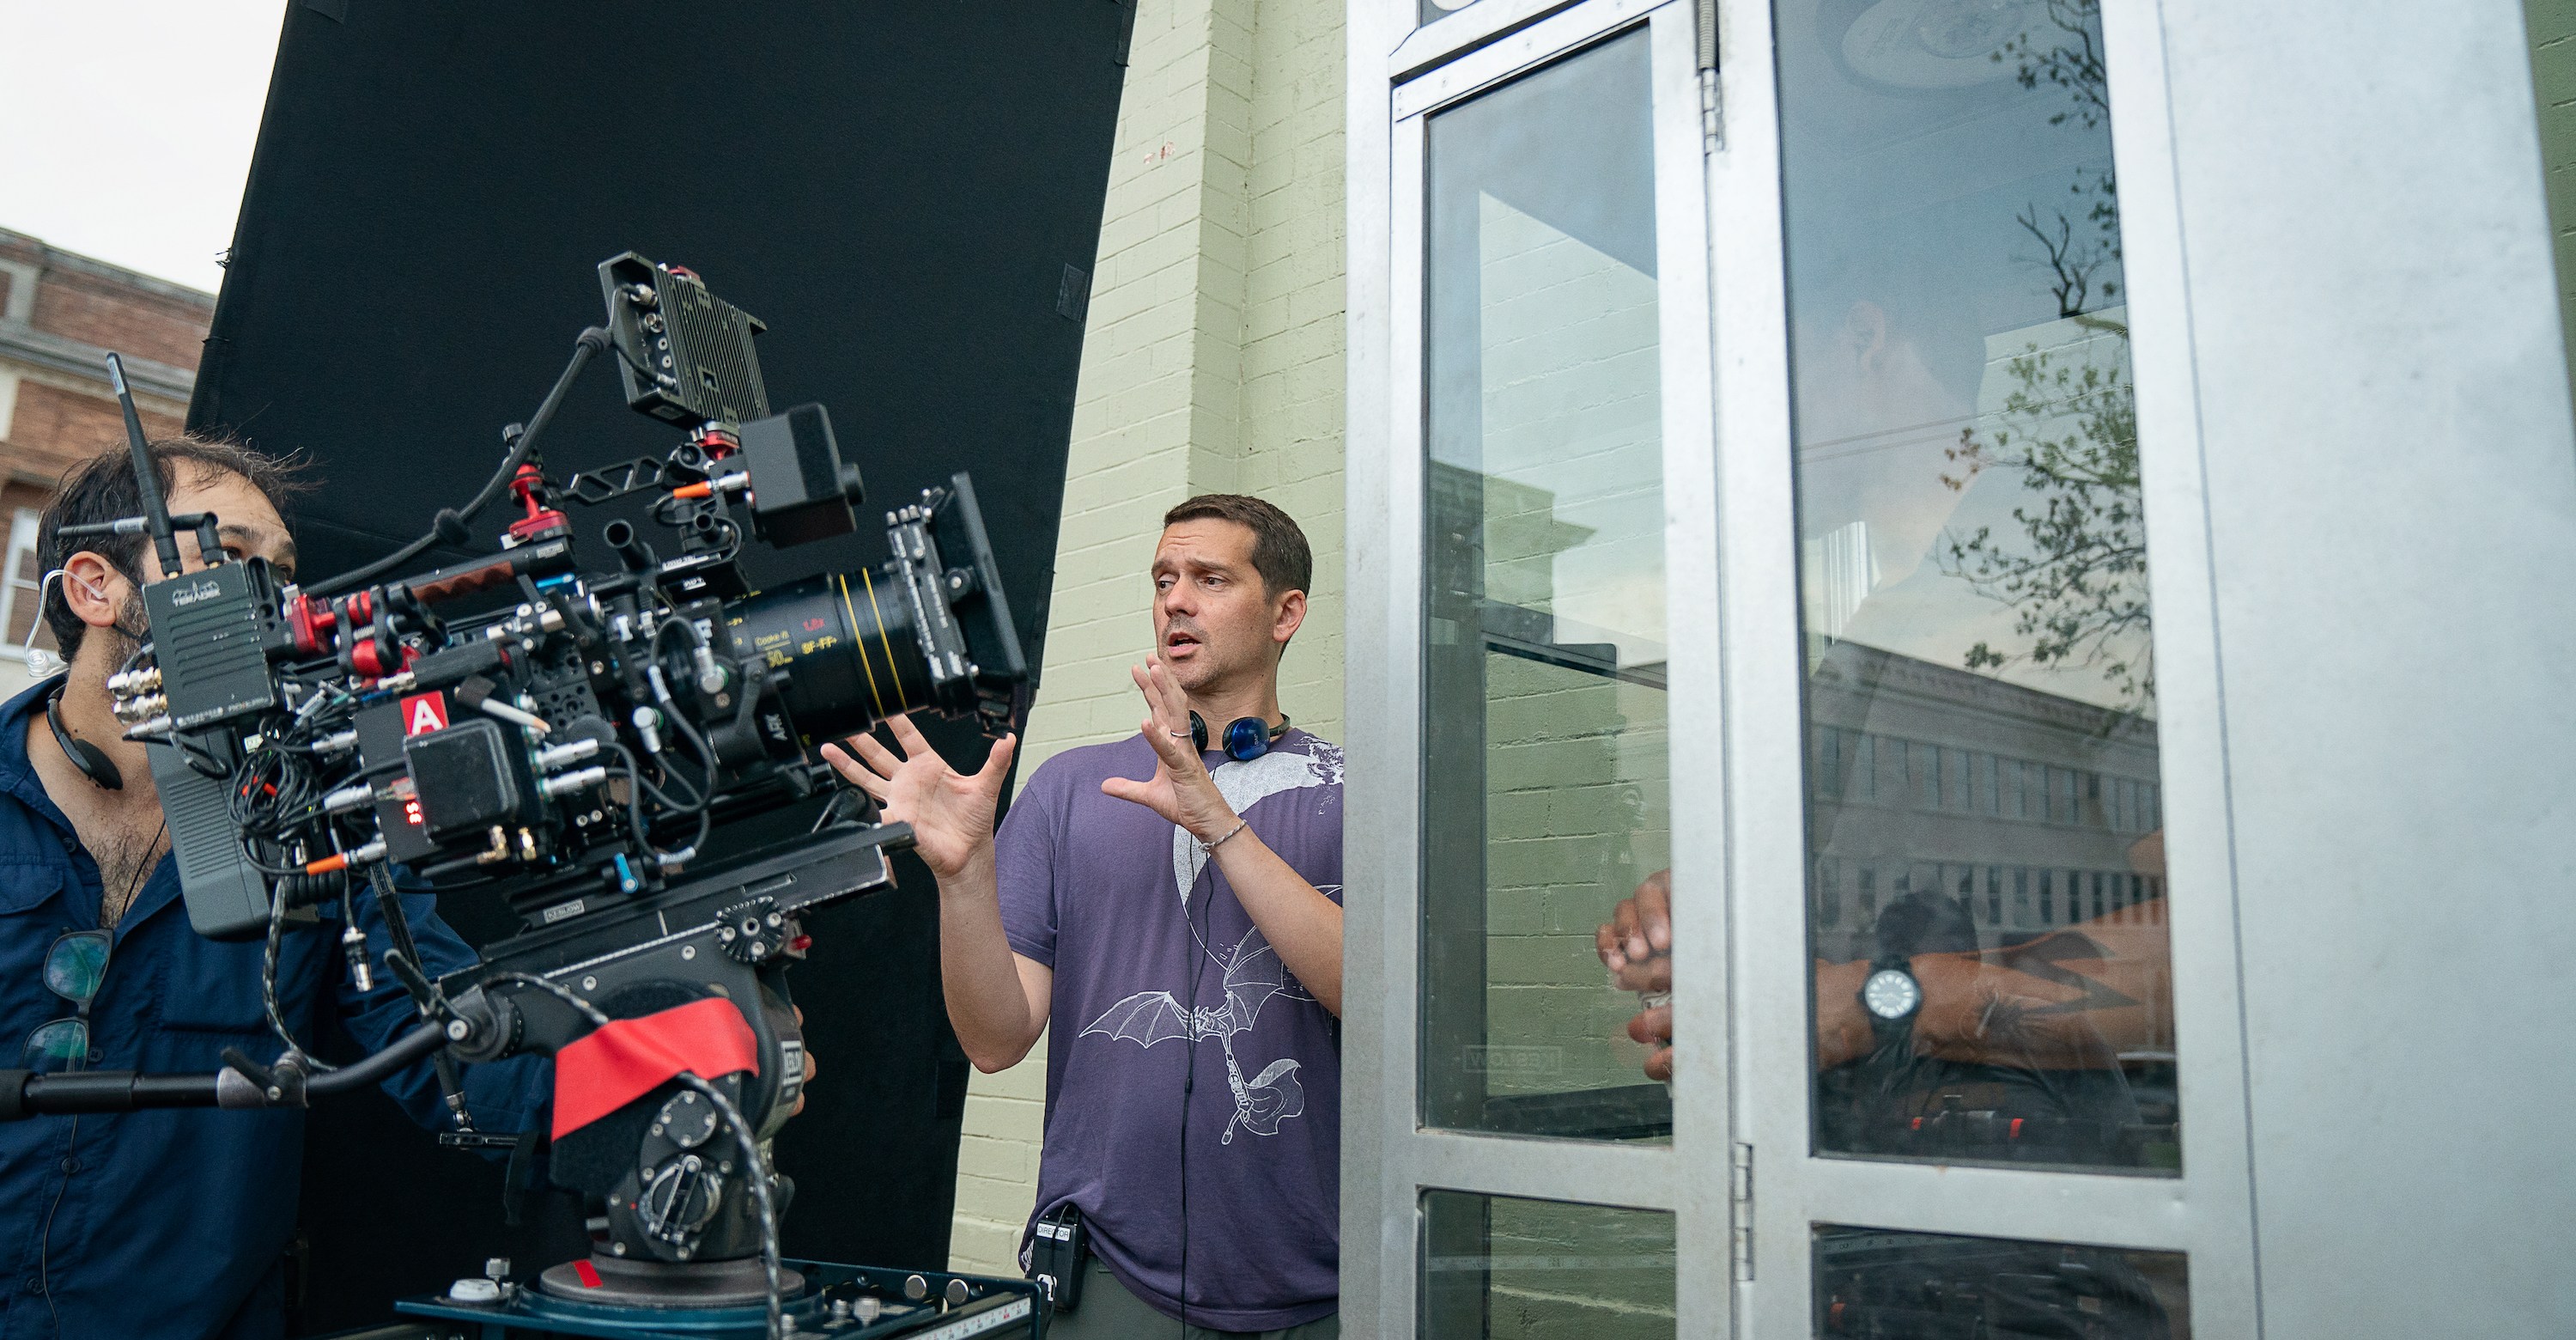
(1550, 801)
(2021, 803)
(1842, 573)
(59, 316)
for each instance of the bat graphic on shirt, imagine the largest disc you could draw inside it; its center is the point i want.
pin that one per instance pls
(1253, 977)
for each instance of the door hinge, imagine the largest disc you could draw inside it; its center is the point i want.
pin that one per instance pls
(1712, 132)
(1742, 1187)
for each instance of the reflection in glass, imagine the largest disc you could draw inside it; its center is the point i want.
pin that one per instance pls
(1924, 1286)
(1544, 755)
(2550, 27)
(1499, 1268)
(1985, 809)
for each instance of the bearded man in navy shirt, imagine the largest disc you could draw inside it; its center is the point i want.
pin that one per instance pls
(1172, 903)
(168, 1222)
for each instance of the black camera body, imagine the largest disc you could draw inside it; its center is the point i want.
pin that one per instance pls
(568, 734)
(523, 726)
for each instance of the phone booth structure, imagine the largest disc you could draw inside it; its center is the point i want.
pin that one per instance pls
(2030, 533)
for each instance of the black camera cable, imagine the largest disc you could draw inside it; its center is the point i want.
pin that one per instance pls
(1198, 952)
(312, 1065)
(451, 1078)
(450, 526)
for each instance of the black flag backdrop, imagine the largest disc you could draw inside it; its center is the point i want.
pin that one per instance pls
(908, 192)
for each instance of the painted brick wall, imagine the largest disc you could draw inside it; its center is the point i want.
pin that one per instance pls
(1212, 362)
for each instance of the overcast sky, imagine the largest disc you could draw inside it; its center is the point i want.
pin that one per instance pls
(130, 124)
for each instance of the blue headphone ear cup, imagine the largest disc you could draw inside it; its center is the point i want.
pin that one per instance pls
(1198, 732)
(1247, 739)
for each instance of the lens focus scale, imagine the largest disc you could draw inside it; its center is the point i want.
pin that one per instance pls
(848, 646)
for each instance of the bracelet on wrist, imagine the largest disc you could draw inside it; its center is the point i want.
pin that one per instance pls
(1209, 848)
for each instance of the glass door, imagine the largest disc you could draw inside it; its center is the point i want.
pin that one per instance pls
(1967, 1071)
(1534, 1163)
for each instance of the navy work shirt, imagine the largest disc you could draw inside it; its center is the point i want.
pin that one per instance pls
(173, 1222)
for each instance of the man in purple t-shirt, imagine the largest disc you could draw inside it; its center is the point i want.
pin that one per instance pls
(1173, 902)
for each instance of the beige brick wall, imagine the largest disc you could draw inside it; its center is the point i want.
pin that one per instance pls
(1212, 362)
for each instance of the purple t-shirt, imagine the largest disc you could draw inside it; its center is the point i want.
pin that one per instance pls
(1168, 999)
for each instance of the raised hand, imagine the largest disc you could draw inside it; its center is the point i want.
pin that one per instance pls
(951, 814)
(1180, 789)
(1636, 944)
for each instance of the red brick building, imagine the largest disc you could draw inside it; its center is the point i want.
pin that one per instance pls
(60, 314)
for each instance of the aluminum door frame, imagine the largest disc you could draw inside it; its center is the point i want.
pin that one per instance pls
(1388, 1160)
(2206, 1212)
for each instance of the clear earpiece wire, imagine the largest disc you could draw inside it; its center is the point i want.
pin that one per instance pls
(41, 661)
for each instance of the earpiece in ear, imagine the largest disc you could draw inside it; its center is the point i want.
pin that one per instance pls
(41, 662)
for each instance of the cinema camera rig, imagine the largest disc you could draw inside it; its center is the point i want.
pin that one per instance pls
(564, 738)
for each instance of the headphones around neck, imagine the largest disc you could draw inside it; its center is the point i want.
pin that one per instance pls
(92, 761)
(1246, 738)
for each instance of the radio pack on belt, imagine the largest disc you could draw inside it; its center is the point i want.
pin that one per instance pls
(1057, 1254)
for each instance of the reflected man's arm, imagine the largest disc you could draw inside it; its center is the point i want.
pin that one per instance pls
(2072, 999)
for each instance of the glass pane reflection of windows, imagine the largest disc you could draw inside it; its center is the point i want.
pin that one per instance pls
(1545, 798)
(1984, 799)
(1922, 1286)
(1501, 1268)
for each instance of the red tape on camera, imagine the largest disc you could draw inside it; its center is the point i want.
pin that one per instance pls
(613, 1066)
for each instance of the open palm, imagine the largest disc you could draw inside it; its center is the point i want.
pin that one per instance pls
(951, 814)
(1180, 789)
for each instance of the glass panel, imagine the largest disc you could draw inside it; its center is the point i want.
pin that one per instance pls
(1984, 806)
(1544, 754)
(1431, 11)
(1506, 1269)
(1924, 1286)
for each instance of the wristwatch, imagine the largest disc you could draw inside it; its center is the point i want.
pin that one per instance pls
(1891, 996)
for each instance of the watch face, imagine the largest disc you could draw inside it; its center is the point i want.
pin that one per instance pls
(1891, 993)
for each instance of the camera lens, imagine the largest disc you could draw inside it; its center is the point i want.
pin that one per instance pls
(848, 644)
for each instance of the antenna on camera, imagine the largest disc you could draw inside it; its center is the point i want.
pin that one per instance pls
(147, 481)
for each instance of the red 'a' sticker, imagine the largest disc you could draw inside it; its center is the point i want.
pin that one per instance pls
(424, 712)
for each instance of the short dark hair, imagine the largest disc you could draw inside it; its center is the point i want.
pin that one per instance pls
(1279, 551)
(103, 488)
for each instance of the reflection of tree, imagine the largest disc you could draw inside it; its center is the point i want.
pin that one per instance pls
(2067, 53)
(2074, 264)
(2076, 575)
(2069, 57)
